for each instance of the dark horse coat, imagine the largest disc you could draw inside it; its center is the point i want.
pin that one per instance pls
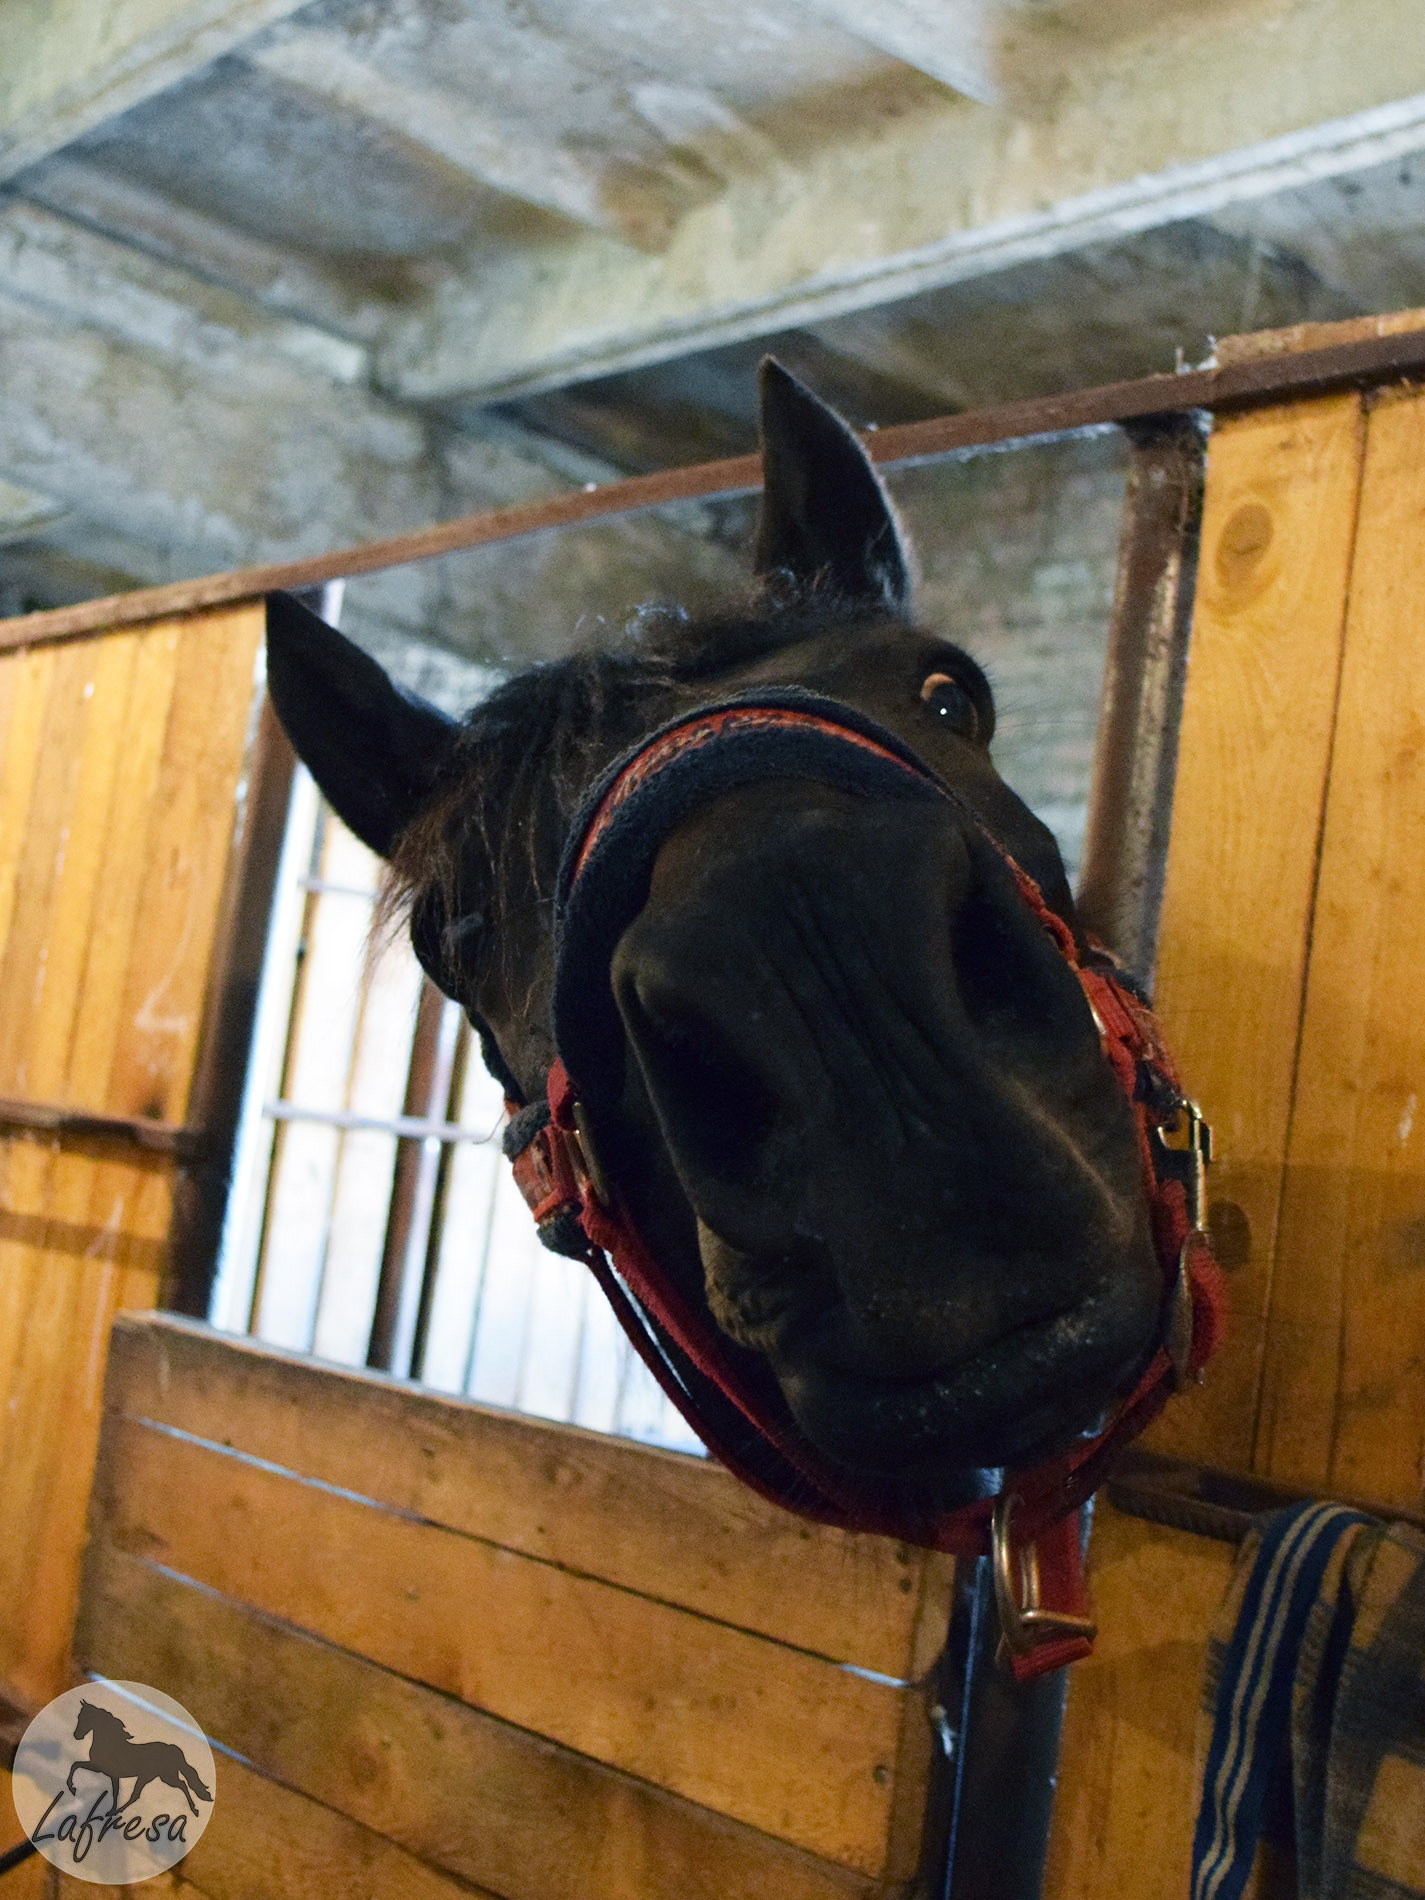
(844, 1081)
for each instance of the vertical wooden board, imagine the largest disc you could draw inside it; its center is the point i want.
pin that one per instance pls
(29, 1003)
(1127, 1796)
(1253, 760)
(24, 685)
(119, 800)
(91, 1240)
(30, 1880)
(1343, 1397)
(186, 859)
(117, 922)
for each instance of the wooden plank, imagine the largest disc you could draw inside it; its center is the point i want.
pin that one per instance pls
(1253, 758)
(30, 1880)
(472, 1795)
(265, 1842)
(1343, 1403)
(137, 746)
(182, 872)
(1128, 1794)
(674, 1527)
(787, 1742)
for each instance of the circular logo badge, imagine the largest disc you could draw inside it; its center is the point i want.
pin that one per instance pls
(113, 1782)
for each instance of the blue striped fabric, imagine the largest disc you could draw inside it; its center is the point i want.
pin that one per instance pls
(1251, 1734)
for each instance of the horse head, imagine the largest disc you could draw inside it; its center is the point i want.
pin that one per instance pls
(836, 1072)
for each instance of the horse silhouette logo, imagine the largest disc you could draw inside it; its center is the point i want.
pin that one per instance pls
(128, 1805)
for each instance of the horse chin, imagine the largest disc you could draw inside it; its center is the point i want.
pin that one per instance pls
(1024, 1398)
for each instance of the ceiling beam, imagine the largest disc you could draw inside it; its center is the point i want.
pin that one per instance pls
(958, 42)
(1187, 110)
(68, 65)
(168, 429)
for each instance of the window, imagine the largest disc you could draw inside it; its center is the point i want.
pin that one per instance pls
(373, 1219)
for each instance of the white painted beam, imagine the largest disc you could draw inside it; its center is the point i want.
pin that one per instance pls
(1188, 109)
(275, 278)
(68, 65)
(958, 42)
(537, 114)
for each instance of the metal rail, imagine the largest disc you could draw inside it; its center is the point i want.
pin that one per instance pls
(1233, 386)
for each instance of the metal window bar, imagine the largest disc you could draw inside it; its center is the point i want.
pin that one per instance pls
(374, 1220)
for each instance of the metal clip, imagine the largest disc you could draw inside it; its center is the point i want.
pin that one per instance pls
(1190, 1162)
(1023, 1620)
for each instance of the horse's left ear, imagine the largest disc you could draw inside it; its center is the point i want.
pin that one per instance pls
(826, 517)
(374, 750)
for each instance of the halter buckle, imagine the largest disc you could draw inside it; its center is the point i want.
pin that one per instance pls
(1025, 1625)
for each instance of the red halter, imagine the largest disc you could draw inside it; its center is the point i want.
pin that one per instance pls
(1030, 1528)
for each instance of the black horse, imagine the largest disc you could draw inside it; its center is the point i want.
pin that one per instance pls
(845, 1084)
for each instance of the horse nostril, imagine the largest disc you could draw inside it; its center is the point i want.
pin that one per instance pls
(717, 1111)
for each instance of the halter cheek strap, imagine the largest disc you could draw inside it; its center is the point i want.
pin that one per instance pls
(725, 1392)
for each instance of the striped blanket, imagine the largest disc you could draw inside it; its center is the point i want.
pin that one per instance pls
(1312, 1729)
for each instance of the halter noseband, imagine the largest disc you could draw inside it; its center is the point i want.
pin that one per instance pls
(724, 1391)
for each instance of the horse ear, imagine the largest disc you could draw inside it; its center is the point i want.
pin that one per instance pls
(826, 517)
(374, 750)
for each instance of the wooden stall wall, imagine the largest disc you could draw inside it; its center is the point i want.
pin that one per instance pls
(444, 1649)
(122, 761)
(1290, 977)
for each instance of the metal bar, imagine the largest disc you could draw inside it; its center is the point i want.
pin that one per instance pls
(401, 1219)
(1009, 1743)
(409, 1127)
(77, 1124)
(1212, 1503)
(1135, 758)
(1235, 385)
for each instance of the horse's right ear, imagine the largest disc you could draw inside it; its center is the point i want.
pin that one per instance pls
(826, 517)
(374, 750)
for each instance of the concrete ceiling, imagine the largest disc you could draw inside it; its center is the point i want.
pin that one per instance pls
(277, 277)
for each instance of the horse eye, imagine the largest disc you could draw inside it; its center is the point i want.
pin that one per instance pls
(947, 698)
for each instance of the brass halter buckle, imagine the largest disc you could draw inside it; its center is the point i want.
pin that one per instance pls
(1024, 1622)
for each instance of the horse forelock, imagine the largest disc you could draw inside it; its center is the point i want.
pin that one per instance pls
(475, 872)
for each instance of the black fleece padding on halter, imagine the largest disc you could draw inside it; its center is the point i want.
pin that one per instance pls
(594, 909)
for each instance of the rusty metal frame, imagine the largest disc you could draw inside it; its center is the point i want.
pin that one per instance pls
(1233, 386)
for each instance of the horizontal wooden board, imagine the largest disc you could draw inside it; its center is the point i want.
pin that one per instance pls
(458, 1788)
(266, 1842)
(787, 1742)
(674, 1527)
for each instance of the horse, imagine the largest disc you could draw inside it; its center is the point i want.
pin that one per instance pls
(115, 1754)
(746, 917)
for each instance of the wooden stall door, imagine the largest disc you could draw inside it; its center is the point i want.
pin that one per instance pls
(122, 769)
(445, 1650)
(1290, 978)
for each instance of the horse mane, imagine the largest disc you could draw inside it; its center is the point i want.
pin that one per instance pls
(478, 866)
(107, 1718)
